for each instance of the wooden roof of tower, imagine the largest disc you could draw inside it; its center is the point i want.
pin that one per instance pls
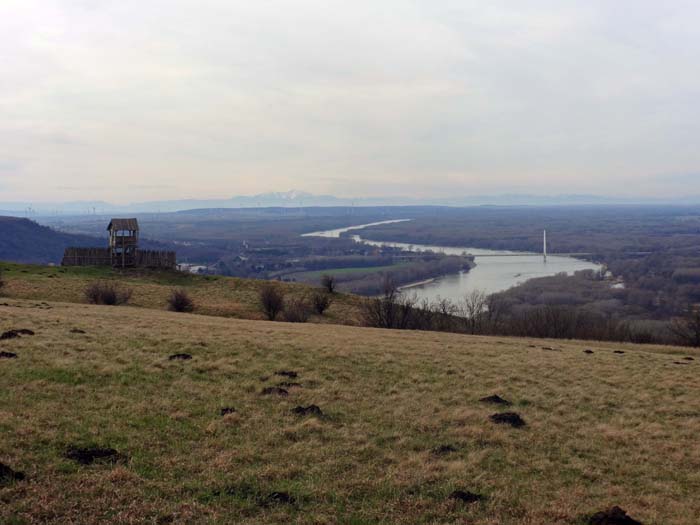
(123, 224)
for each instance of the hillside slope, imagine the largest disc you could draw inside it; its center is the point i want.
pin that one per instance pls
(212, 294)
(23, 240)
(402, 424)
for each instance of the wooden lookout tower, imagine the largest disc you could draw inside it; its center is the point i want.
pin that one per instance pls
(123, 242)
(122, 252)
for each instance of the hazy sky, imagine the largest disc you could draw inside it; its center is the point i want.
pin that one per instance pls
(129, 100)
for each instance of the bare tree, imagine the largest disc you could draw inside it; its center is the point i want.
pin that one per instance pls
(687, 328)
(329, 283)
(271, 300)
(392, 310)
(496, 310)
(443, 315)
(472, 310)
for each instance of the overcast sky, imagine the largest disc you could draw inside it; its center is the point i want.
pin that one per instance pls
(132, 100)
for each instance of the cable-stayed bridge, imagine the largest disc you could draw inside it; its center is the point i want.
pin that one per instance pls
(544, 253)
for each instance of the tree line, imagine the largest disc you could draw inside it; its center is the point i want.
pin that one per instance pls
(481, 314)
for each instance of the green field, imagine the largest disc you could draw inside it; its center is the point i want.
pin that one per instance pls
(315, 276)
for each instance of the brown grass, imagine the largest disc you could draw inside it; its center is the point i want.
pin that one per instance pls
(602, 429)
(212, 295)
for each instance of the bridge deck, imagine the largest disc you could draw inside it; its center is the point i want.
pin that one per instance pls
(530, 255)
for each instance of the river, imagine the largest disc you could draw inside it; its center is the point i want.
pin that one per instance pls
(491, 274)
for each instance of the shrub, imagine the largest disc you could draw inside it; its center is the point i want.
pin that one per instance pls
(180, 301)
(329, 283)
(2, 283)
(107, 293)
(297, 310)
(271, 300)
(321, 302)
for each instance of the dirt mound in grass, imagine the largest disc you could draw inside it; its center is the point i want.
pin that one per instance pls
(588, 351)
(508, 418)
(274, 391)
(287, 373)
(90, 455)
(227, 410)
(442, 450)
(289, 384)
(465, 496)
(181, 357)
(612, 516)
(495, 400)
(619, 352)
(13, 334)
(77, 331)
(277, 498)
(311, 410)
(8, 355)
(7, 474)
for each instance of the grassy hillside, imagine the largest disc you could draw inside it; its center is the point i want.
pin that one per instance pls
(213, 295)
(402, 426)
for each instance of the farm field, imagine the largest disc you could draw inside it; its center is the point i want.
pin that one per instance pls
(400, 424)
(314, 276)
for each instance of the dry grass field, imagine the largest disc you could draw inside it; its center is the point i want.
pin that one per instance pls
(212, 294)
(402, 425)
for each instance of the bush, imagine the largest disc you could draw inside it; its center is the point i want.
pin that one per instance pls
(271, 300)
(107, 293)
(2, 283)
(329, 283)
(321, 302)
(297, 310)
(180, 301)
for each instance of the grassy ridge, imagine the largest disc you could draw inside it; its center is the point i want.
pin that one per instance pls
(602, 428)
(213, 295)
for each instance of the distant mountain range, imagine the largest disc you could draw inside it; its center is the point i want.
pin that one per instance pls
(296, 199)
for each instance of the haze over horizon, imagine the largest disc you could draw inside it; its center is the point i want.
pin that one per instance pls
(131, 101)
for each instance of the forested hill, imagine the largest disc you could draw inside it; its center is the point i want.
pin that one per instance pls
(23, 240)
